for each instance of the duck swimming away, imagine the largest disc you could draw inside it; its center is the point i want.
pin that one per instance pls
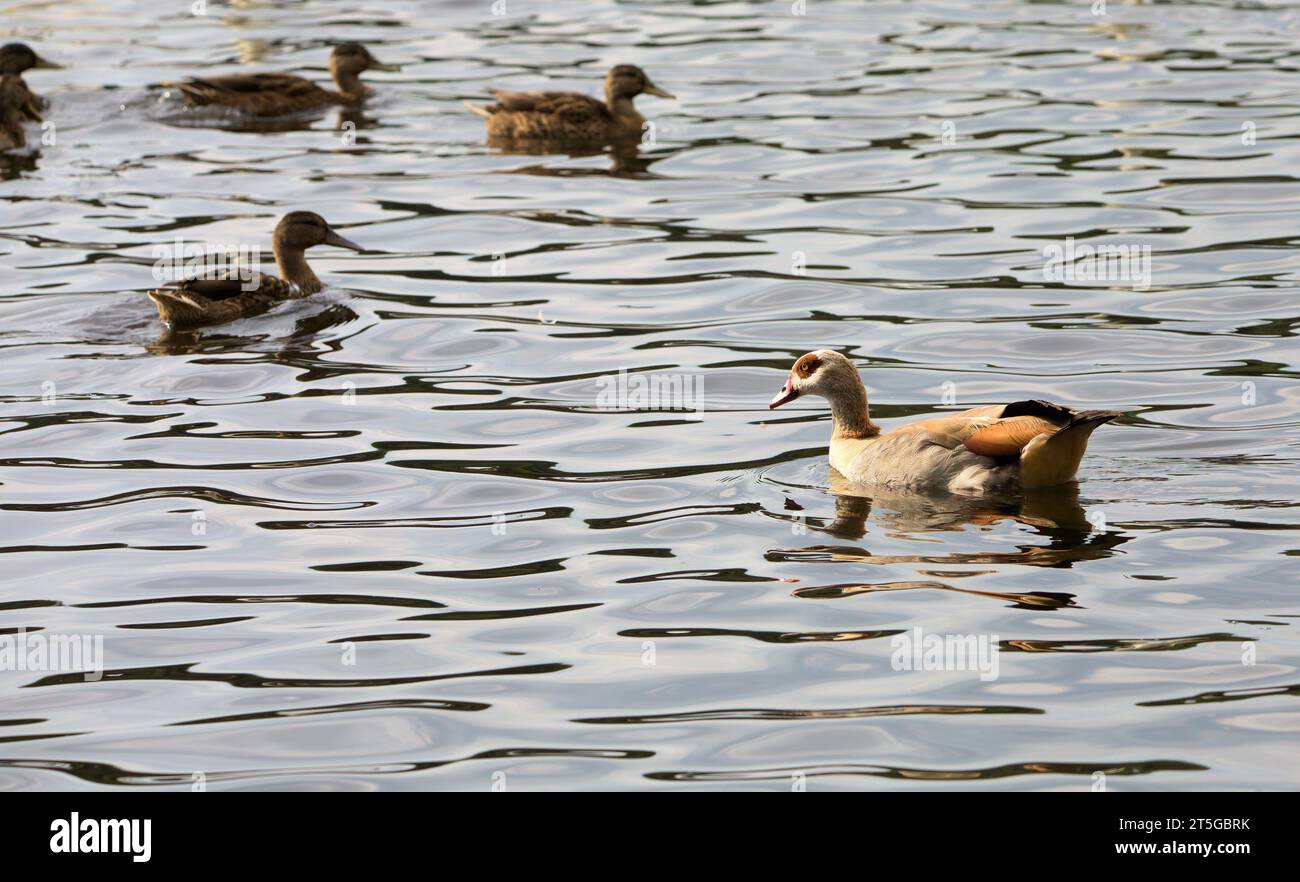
(571, 116)
(194, 302)
(997, 448)
(277, 94)
(15, 58)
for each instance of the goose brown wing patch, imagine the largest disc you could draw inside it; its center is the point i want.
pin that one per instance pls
(1007, 437)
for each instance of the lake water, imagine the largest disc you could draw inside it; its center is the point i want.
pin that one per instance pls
(388, 537)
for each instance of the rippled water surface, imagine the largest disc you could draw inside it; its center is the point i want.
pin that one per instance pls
(384, 537)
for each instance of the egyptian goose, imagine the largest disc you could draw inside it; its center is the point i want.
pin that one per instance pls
(277, 94)
(1000, 447)
(571, 116)
(207, 301)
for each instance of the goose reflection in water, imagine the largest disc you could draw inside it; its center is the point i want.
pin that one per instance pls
(1054, 513)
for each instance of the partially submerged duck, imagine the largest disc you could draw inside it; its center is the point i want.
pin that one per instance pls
(1000, 447)
(571, 116)
(209, 301)
(15, 58)
(276, 94)
(18, 106)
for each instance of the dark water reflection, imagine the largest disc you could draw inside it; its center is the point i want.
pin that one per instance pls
(387, 537)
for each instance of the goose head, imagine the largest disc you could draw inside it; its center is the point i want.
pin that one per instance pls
(833, 377)
(824, 372)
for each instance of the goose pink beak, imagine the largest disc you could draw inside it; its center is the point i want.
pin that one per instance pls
(788, 393)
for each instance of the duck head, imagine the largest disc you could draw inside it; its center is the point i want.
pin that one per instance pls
(18, 57)
(300, 230)
(350, 59)
(628, 81)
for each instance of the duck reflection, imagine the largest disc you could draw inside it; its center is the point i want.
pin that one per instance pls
(13, 164)
(193, 341)
(347, 121)
(351, 120)
(1041, 600)
(626, 159)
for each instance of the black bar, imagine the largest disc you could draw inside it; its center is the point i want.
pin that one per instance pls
(308, 830)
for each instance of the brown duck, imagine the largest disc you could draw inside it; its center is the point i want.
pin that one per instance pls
(276, 94)
(209, 301)
(18, 106)
(15, 58)
(571, 116)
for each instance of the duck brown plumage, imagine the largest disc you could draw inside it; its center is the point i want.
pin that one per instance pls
(17, 108)
(276, 94)
(225, 297)
(571, 116)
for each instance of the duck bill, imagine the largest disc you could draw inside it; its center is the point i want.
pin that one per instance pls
(651, 89)
(787, 394)
(32, 112)
(47, 65)
(335, 239)
(379, 65)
